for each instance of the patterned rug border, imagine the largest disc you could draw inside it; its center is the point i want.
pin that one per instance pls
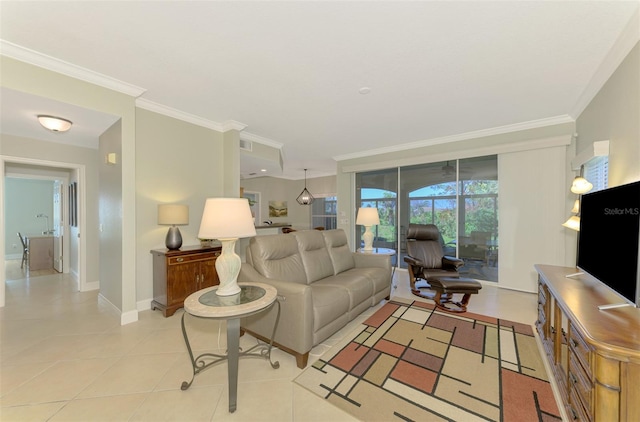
(411, 361)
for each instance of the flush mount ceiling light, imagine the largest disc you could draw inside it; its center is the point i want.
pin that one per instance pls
(54, 124)
(305, 198)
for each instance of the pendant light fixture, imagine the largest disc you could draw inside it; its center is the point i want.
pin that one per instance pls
(305, 197)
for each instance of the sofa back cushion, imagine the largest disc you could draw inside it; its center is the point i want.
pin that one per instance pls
(315, 257)
(277, 257)
(338, 248)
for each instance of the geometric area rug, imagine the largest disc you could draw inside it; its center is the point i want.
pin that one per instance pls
(412, 362)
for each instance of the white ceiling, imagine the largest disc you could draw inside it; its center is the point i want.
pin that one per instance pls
(292, 71)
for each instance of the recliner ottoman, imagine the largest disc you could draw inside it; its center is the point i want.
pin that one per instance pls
(446, 287)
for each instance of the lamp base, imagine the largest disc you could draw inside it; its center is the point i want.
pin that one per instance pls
(228, 268)
(367, 236)
(173, 241)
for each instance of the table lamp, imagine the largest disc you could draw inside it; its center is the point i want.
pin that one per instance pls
(368, 217)
(227, 219)
(173, 214)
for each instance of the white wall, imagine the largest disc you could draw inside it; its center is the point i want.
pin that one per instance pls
(110, 216)
(176, 162)
(614, 115)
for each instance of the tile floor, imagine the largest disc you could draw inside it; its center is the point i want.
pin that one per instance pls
(64, 357)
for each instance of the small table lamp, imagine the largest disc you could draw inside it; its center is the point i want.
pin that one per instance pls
(173, 215)
(368, 217)
(227, 219)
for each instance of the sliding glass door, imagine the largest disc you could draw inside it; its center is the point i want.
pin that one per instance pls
(478, 217)
(458, 196)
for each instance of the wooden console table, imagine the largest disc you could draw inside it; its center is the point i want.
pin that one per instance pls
(177, 274)
(594, 354)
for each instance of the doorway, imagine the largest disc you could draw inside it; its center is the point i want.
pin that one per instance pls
(73, 244)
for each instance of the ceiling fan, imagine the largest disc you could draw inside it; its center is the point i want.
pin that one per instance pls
(448, 170)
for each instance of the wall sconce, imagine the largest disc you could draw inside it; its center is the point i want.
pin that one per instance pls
(368, 217)
(173, 214)
(581, 185)
(227, 219)
(54, 124)
(111, 158)
(573, 223)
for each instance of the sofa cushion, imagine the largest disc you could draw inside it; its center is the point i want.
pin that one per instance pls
(355, 284)
(314, 254)
(277, 257)
(379, 277)
(338, 247)
(329, 303)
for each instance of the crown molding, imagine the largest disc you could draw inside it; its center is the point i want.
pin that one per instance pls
(532, 124)
(628, 38)
(178, 114)
(199, 121)
(35, 58)
(232, 124)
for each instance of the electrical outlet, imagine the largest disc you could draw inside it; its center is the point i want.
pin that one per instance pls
(14, 246)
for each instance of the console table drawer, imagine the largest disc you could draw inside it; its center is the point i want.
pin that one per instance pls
(580, 383)
(192, 258)
(581, 349)
(575, 410)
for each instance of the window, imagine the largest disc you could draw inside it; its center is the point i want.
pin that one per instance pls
(323, 212)
(459, 196)
(596, 171)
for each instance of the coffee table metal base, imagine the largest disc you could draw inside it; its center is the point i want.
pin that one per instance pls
(234, 352)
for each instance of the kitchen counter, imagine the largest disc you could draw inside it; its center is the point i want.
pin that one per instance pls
(40, 251)
(274, 225)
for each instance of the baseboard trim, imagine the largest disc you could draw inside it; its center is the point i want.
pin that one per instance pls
(125, 317)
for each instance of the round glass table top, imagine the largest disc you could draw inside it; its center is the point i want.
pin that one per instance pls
(247, 294)
(253, 297)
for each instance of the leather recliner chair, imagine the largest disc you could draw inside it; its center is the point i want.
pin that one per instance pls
(426, 257)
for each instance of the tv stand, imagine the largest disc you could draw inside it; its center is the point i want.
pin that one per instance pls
(594, 356)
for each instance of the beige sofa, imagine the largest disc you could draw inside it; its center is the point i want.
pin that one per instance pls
(321, 285)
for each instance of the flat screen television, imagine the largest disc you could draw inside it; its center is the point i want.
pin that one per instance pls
(608, 242)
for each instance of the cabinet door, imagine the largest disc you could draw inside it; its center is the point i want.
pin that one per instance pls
(181, 281)
(209, 276)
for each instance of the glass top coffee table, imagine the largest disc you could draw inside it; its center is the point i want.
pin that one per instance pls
(252, 299)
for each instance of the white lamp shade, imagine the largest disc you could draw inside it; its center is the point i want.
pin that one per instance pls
(573, 223)
(173, 214)
(226, 218)
(581, 185)
(368, 217)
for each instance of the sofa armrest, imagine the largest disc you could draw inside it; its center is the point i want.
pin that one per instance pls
(371, 260)
(295, 330)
